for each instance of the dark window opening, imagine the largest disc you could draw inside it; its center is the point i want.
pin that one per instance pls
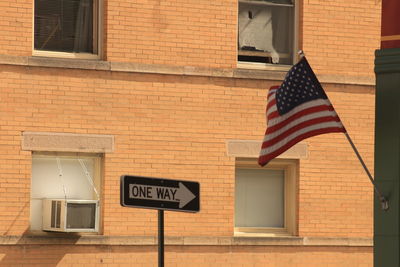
(65, 26)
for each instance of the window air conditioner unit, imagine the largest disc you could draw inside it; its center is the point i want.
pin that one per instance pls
(70, 215)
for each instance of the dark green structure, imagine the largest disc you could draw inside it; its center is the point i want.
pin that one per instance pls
(387, 157)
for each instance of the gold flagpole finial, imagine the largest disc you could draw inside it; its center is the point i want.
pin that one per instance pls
(301, 53)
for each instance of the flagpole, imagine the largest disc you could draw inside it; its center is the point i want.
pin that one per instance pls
(382, 199)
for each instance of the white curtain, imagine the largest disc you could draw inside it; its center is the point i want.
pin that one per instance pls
(83, 27)
(266, 28)
(255, 29)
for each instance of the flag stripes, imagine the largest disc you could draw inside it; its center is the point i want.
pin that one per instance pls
(307, 119)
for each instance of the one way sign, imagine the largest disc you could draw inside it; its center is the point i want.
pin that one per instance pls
(161, 194)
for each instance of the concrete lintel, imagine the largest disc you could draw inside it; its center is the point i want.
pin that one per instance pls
(67, 142)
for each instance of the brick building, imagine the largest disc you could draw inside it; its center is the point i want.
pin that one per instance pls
(94, 89)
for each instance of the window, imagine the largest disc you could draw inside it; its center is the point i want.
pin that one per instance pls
(266, 31)
(265, 198)
(67, 28)
(70, 178)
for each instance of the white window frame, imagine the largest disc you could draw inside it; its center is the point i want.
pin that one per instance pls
(97, 37)
(96, 179)
(290, 168)
(267, 66)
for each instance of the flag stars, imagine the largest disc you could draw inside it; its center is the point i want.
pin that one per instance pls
(297, 88)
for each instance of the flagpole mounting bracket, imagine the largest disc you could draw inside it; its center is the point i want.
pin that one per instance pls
(384, 203)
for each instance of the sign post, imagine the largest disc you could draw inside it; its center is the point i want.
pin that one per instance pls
(160, 238)
(160, 194)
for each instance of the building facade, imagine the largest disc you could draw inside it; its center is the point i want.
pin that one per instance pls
(94, 89)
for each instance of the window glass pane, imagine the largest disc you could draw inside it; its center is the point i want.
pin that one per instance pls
(259, 198)
(46, 182)
(265, 33)
(64, 25)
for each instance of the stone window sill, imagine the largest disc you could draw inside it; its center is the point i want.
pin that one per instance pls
(239, 73)
(185, 241)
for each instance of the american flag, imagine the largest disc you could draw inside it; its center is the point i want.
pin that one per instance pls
(296, 110)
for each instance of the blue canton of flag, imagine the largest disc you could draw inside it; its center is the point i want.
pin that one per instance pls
(300, 86)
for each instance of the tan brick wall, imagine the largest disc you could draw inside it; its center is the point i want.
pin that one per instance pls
(194, 33)
(341, 36)
(184, 256)
(177, 126)
(16, 27)
(335, 193)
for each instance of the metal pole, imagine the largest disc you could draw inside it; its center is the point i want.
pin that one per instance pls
(160, 238)
(383, 200)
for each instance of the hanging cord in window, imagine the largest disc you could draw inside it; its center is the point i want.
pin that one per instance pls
(89, 178)
(60, 174)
